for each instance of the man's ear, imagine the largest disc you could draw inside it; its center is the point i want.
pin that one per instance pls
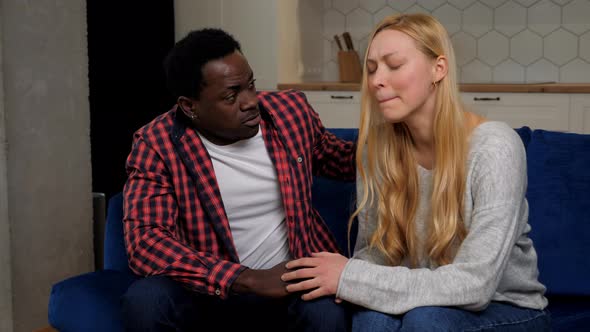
(187, 106)
(441, 67)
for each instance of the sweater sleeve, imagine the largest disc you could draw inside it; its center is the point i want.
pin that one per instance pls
(497, 177)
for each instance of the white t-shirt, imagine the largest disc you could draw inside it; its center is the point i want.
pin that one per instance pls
(252, 199)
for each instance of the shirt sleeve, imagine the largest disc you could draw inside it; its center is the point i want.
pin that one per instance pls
(498, 186)
(150, 229)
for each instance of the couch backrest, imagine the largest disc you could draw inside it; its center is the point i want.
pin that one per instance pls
(336, 200)
(559, 209)
(558, 196)
(115, 255)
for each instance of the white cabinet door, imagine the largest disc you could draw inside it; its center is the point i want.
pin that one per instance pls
(548, 111)
(580, 113)
(337, 109)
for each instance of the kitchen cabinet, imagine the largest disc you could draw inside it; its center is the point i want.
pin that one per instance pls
(337, 109)
(548, 111)
(580, 113)
(551, 111)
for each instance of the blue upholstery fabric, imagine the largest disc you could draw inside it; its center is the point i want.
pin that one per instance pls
(115, 256)
(559, 200)
(329, 198)
(89, 302)
(525, 134)
(336, 200)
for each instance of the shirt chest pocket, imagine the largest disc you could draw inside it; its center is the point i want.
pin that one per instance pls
(300, 176)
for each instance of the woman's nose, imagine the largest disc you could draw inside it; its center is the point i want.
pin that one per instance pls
(376, 80)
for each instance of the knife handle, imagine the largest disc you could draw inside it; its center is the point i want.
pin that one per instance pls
(338, 42)
(348, 41)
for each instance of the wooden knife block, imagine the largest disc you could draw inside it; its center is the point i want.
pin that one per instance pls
(349, 66)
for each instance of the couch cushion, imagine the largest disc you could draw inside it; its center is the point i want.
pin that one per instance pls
(559, 202)
(525, 135)
(89, 302)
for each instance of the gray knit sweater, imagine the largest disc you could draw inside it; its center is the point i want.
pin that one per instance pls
(496, 261)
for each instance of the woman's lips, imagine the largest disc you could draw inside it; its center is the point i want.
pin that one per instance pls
(384, 100)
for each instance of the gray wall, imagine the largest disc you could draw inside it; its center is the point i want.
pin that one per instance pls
(47, 160)
(5, 269)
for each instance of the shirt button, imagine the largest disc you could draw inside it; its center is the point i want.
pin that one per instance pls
(299, 159)
(217, 292)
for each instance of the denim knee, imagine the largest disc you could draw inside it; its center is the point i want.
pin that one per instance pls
(496, 317)
(426, 319)
(322, 314)
(369, 320)
(150, 301)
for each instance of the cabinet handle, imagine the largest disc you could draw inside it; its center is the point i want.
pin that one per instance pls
(486, 99)
(341, 97)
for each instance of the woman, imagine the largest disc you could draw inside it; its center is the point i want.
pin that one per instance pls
(443, 218)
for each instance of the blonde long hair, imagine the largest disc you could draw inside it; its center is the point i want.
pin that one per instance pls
(388, 169)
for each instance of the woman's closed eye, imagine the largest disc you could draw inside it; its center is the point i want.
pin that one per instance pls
(371, 67)
(393, 67)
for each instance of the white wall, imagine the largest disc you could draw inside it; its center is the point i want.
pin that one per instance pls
(253, 23)
(495, 41)
(47, 162)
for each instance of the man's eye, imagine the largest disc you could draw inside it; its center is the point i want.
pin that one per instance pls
(231, 98)
(252, 84)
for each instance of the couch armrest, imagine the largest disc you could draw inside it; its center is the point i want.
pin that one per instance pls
(89, 302)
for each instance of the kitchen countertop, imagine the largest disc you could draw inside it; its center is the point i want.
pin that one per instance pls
(544, 87)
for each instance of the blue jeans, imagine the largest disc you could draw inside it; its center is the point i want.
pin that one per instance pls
(496, 317)
(161, 304)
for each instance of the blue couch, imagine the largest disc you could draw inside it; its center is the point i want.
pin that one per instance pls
(559, 200)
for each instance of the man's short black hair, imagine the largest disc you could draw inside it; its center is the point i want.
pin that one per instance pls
(184, 63)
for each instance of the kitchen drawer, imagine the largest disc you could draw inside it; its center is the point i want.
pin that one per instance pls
(580, 113)
(337, 109)
(536, 110)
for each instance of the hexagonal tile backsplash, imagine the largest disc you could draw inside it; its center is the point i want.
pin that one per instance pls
(495, 40)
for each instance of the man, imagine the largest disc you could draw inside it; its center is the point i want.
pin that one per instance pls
(219, 198)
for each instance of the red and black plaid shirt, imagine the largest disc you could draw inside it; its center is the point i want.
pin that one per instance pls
(174, 220)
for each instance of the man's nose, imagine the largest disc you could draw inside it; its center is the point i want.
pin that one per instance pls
(248, 100)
